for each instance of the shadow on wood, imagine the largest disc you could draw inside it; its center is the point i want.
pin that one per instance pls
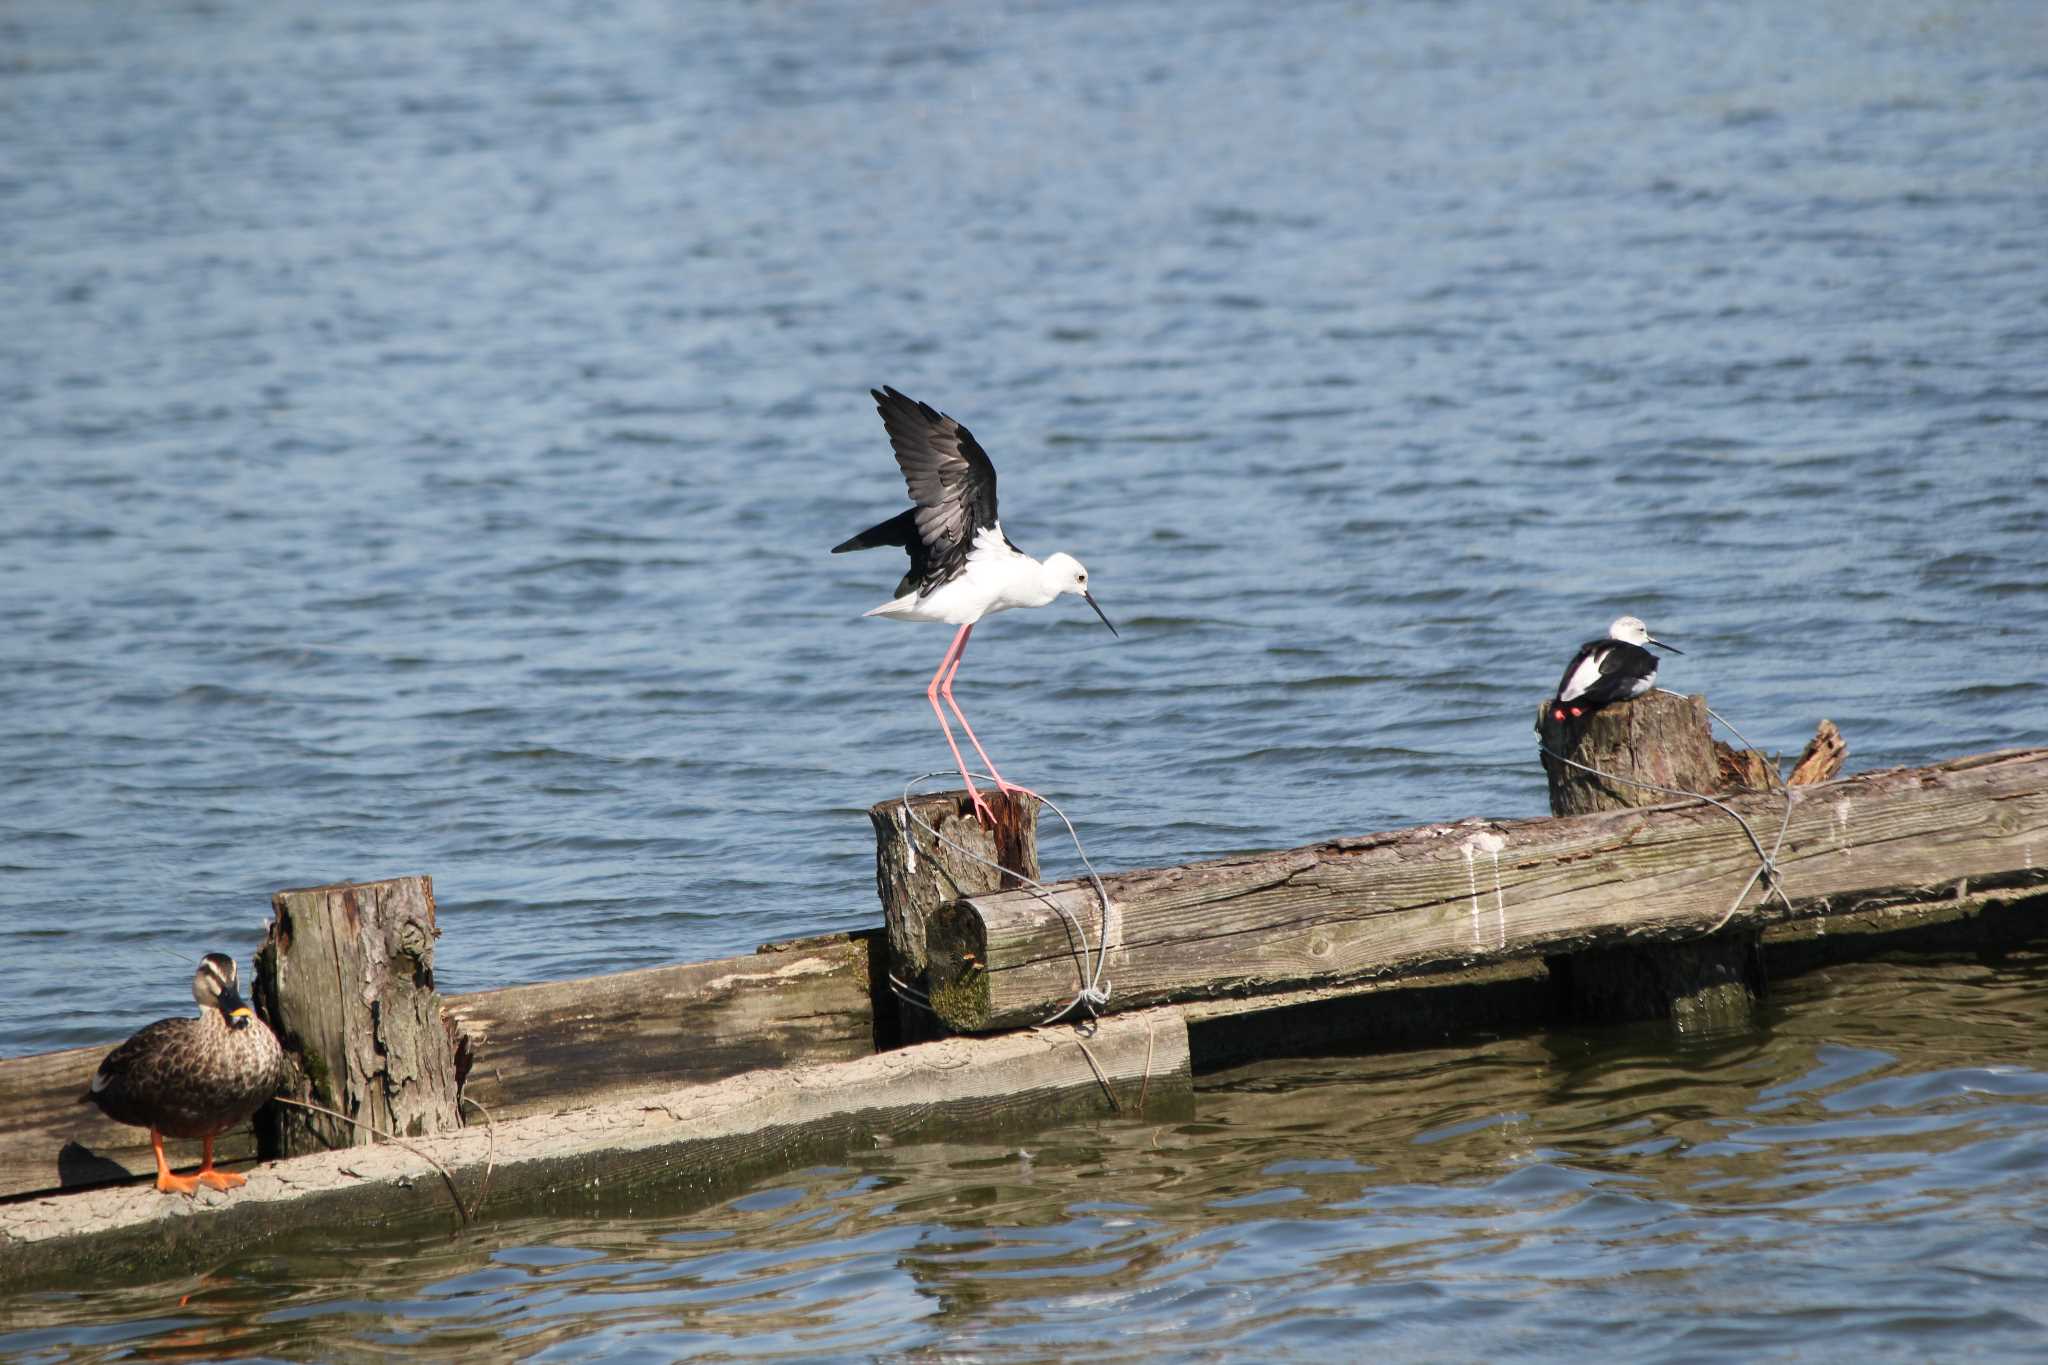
(50, 1139)
(558, 1044)
(690, 1144)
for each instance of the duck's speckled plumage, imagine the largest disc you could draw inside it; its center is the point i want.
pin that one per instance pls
(192, 1077)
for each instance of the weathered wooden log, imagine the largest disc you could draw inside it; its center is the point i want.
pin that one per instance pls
(346, 978)
(694, 1143)
(1822, 758)
(554, 1046)
(1481, 891)
(1659, 738)
(936, 852)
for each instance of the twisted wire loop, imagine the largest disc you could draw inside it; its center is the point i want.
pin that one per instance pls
(1095, 988)
(1766, 863)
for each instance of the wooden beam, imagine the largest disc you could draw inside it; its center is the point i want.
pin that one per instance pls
(543, 1048)
(1484, 891)
(696, 1143)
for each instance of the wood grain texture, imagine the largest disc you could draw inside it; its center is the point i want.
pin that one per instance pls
(561, 1044)
(346, 980)
(1658, 738)
(940, 855)
(1822, 758)
(1480, 891)
(694, 1144)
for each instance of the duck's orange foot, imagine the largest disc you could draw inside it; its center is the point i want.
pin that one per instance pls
(177, 1184)
(221, 1180)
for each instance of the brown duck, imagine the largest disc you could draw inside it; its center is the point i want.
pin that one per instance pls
(193, 1078)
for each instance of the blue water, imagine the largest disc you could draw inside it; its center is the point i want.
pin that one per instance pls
(421, 430)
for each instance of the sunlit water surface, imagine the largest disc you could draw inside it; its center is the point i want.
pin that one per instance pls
(423, 428)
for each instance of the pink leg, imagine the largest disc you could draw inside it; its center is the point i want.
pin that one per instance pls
(982, 810)
(946, 691)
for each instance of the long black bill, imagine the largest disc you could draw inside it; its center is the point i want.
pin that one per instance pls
(1661, 645)
(1089, 598)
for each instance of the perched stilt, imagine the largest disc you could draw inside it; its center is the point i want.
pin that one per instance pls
(962, 566)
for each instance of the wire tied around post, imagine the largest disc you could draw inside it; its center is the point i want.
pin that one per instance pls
(1095, 989)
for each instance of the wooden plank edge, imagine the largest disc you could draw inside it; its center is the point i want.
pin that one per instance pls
(1434, 1005)
(962, 991)
(553, 1045)
(703, 1141)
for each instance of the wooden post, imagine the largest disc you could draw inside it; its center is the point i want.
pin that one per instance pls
(346, 978)
(1658, 738)
(1707, 985)
(916, 873)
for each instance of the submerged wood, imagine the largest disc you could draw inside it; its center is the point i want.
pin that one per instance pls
(346, 979)
(542, 1048)
(936, 853)
(695, 1142)
(1460, 895)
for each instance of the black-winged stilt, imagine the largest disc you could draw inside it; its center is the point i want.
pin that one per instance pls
(962, 566)
(1612, 668)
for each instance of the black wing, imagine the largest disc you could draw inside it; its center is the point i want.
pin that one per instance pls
(1622, 667)
(948, 474)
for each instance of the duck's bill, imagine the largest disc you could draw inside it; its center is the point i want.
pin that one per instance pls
(1089, 598)
(237, 1010)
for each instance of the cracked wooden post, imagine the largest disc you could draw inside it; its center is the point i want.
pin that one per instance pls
(346, 979)
(916, 873)
(1706, 985)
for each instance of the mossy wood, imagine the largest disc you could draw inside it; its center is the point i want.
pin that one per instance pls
(542, 1048)
(671, 1147)
(1481, 891)
(346, 978)
(936, 852)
